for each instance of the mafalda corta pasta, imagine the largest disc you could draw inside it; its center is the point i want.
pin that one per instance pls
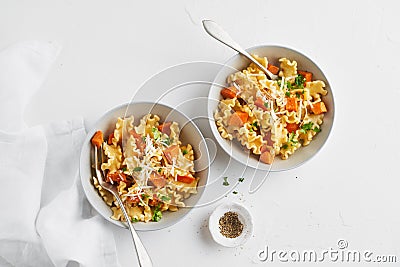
(153, 170)
(271, 117)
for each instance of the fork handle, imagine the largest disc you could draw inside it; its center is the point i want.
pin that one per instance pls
(221, 35)
(143, 256)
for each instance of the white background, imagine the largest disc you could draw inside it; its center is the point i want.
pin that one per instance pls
(348, 191)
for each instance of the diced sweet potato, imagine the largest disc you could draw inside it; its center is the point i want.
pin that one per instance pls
(291, 104)
(140, 143)
(185, 179)
(97, 139)
(260, 103)
(157, 180)
(171, 153)
(318, 108)
(273, 69)
(292, 127)
(238, 119)
(110, 138)
(229, 92)
(165, 127)
(116, 177)
(306, 74)
(266, 157)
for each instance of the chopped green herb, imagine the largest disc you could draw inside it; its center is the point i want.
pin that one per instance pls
(135, 219)
(145, 196)
(165, 198)
(266, 104)
(289, 85)
(144, 138)
(124, 169)
(306, 127)
(156, 133)
(225, 183)
(137, 169)
(287, 93)
(299, 81)
(166, 141)
(157, 215)
(241, 179)
(285, 146)
(279, 82)
(235, 192)
(255, 124)
(184, 152)
(159, 170)
(297, 94)
(291, 139)
(316, 129)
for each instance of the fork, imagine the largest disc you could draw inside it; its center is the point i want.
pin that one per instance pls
(141, 252)
(221, 35)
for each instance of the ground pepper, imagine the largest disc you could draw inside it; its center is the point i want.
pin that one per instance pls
(230, 226)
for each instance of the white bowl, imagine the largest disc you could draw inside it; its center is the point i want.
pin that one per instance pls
(273, 53)
(189, 134)
(244, 217)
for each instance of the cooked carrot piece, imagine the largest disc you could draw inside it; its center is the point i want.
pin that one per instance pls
(238, 118)
(243, 116)
(116, 177)
(171, 153)
(229, 92)
(165, 127)
(273, 69)
(140, 143)
(266, 157)
(291, 104)
(260, 103)
(264, 148)
(292, 127)
(110, 138)
(157, 180)
(97, 139)
(306, 74)
(319, 108)
(185, 179)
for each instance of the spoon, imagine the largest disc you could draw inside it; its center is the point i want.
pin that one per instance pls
(221, 35)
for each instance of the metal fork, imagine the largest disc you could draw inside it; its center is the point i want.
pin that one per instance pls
(143, 256)
(221, 35)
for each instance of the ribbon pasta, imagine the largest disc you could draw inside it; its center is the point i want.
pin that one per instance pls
(271, 117)
(153, 170)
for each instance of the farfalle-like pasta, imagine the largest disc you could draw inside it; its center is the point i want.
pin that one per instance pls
(271, 117)
(153, 170)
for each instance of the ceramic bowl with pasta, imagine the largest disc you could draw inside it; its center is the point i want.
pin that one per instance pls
(156, 157)
(271, 124)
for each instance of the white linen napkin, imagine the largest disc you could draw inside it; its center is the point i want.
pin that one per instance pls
(45, 219)
(69, 228)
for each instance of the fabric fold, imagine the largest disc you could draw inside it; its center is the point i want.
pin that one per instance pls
(46, 219)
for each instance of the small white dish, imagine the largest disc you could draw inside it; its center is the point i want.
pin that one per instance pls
(244, 217)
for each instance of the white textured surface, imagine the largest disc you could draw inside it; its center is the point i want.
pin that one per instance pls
(349, 191)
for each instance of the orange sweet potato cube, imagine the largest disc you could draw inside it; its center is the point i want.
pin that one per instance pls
(291, 104)
(319, 108)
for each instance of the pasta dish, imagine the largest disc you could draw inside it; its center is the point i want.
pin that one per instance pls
(271, 117)
(153, 170)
